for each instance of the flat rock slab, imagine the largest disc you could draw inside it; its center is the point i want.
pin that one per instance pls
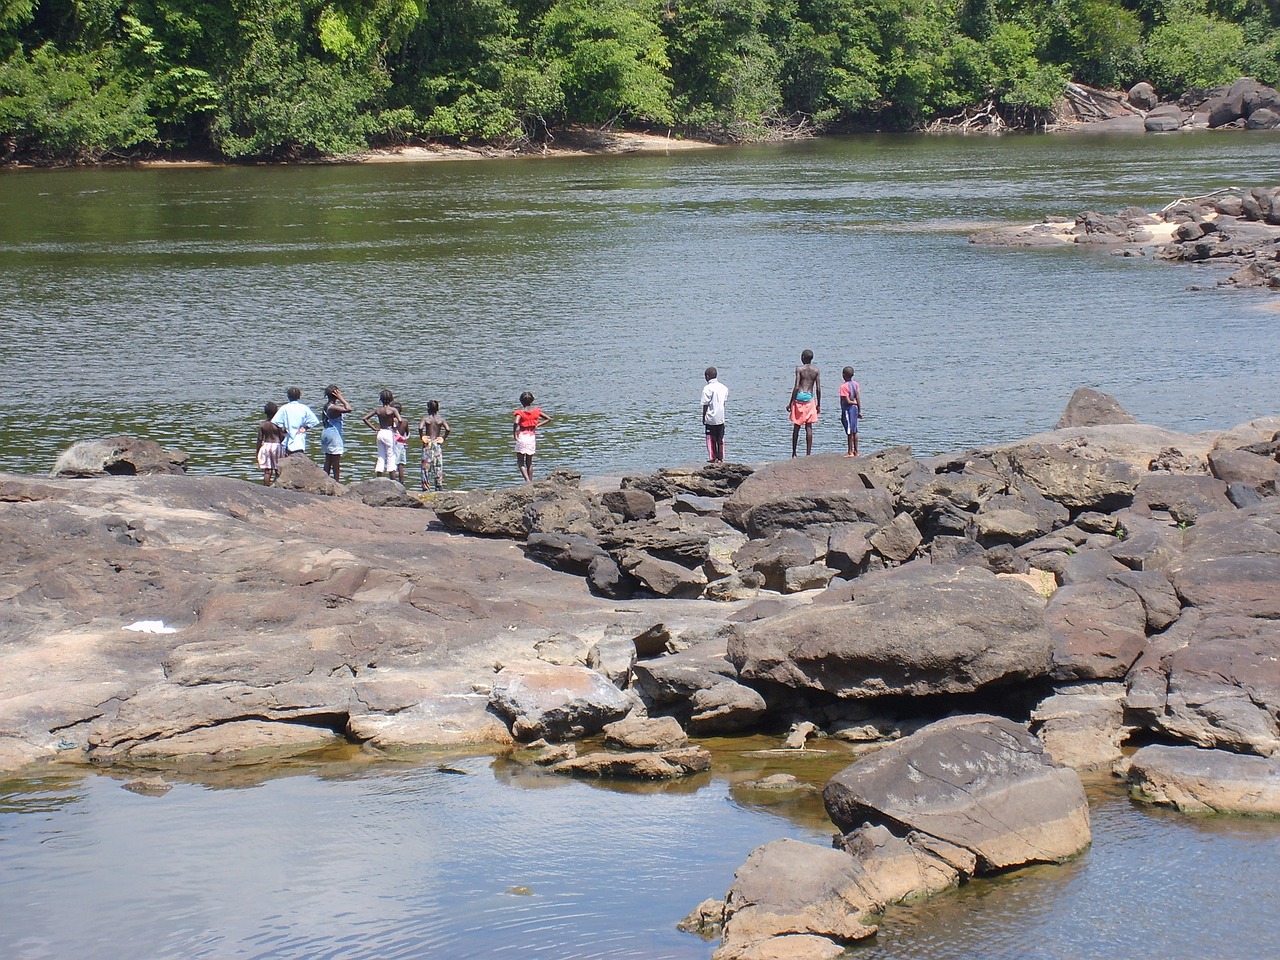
(642, 765)
(1206, 781)
(918, 630)
(980, 782)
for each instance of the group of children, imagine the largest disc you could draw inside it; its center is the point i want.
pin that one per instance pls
(283, 431)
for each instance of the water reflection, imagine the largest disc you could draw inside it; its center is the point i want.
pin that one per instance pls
(460, 855)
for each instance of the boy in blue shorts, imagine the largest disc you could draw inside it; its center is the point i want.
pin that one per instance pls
(850, 410)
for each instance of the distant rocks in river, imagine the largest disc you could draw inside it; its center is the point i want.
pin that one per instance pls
(1235, 229)
(1245, 104)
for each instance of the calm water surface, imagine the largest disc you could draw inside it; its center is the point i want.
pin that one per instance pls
(406, 861)
(173, 303)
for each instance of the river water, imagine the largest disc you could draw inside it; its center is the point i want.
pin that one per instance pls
(477, 858)
(172, 303)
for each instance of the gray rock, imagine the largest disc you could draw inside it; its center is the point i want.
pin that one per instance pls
(674, 679)
(301, 474)
(981, 783)
(1185, 499)
(898, 539)
(645, 733)
(669, 543)
(1164, 122)
(1098, 629)
(772, 556)
(553, 702)
(121, 456)
(1143, 96)
(1088, 566)
(643, 765)
(814, 509)
(606, 579)
(740, 586)
(567, 552)
(837, 484)
(788, 887)
(1160, 602)
(725, 707)
(1082, 725)
(501, 513)
(917, 630)
(955, 550)
(1239, 466)
(1090, 408)
(383, 492)
(848, 548)
(663, 578)
(1075, 481)
(630, 504)
(1206, 781)
(688, 503)
(1264, 118)
(810, 576)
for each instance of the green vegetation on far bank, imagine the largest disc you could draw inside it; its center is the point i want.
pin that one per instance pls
(88, 79)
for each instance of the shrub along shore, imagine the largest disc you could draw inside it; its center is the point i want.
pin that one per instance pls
(290, 79)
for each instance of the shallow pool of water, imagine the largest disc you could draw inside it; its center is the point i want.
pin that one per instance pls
(476, 857)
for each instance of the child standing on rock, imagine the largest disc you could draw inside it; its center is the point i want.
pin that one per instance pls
(850, 410)
(270, 437)
(526, 421)
(433, 430)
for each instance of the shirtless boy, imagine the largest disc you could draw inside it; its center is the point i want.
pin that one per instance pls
(386, 416)
(805, 404)
(270, 437)
(433, 429)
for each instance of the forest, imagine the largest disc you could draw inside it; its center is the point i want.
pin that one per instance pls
(88, 80)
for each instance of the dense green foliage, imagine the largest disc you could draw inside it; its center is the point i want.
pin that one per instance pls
(271, 78)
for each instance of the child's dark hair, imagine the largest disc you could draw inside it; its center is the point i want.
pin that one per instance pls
(847, 373)
(270, 409)
(433, 406)
(526, 398)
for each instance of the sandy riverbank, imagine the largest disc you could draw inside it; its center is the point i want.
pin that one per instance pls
(571, 143)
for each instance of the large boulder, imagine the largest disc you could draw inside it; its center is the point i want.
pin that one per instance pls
(917, 630)
(803, 491)
(982, 783)
(502, 513)
(1082, 725)
(300, 473)
(118, 457)
(1076, 481)
(1090, 408)
(1206, 781)
(1098, 630)
(792, 887)
(556, 702)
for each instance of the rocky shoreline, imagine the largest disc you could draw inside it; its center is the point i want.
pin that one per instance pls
(1104, 595)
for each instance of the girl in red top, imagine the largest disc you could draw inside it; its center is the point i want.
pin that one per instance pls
(524, 428)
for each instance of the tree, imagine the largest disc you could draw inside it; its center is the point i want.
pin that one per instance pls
(1192, 49)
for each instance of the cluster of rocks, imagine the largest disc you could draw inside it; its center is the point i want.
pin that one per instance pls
(1233, 229)
(1245, 104)
(962, 797)
(983, 621)
(1098, 570)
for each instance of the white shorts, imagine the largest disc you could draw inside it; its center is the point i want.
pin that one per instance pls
(386, 451)
(526, 443)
